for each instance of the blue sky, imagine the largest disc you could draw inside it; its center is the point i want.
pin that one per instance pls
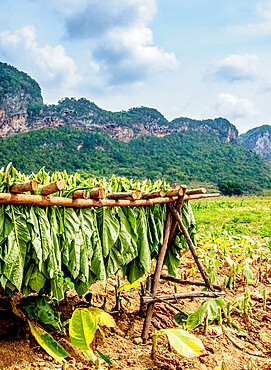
(193, 58)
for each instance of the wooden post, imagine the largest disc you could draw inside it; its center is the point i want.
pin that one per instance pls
(157, 273)
(25, 186)
(128, 195)
(81, 193)
(179, 204)
(191, 247)
(97, 193)
(53, 187)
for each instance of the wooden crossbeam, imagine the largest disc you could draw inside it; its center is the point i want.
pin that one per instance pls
(7, 198)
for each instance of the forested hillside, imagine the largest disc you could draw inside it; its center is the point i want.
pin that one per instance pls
(182, 157)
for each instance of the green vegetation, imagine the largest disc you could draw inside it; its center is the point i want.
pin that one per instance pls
(182, 157)
(14, 82)
(230, 188)
(244, 215)
(44, 250)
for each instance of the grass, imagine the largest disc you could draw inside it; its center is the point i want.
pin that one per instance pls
(245, 215)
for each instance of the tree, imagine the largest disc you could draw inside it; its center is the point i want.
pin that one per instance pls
(230, 188)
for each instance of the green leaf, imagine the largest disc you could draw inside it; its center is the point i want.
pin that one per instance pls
(142, 242)
(82, 330)
(211, 306)
(47, 342)
(248, 273)
(104, 357)
(183, 342)
(180, 318)
(108, 226)
(38, 309)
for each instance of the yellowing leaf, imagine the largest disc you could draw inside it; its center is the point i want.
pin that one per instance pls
(82, 330)
(102, 318)
(47, 342)
(185, 344)
(133, 285)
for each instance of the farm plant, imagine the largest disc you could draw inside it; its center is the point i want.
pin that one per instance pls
(46, 250)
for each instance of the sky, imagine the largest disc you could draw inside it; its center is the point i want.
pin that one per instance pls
(186, 58)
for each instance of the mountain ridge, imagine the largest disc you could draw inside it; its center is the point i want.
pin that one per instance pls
(22, 110)
(77, 135)
(258, 140)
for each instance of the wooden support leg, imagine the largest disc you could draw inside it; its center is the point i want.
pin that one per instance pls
(157, 273)
(191, 247)
(178, 207)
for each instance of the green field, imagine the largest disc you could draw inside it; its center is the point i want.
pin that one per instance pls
(244, 215)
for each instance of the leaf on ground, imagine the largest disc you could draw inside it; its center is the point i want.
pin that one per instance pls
(47, 342)
(185, 344)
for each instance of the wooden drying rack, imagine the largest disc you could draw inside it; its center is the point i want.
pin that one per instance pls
(96, 198)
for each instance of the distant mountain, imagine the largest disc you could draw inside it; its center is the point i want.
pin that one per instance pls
(77, 135)
(22, 110)
(258, 140)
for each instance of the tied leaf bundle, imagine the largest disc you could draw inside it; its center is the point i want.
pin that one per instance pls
(48, 249)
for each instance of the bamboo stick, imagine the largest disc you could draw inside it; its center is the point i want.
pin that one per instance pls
(81, 193)
(192, 248)
(97, 193)
(53, 187)
(174, 296)
(39, 200)
(187, 282)
(174, 192)
(153, 194)
(25, 186)
(155, 281)
(128, 195)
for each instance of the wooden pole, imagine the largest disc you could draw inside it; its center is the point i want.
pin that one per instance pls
(174, 192)
(179, 204)
(97, 193)
(153, 194)
(187, 282)
(128, 195)
(39, 200)
(155, 281)
(196, 191)
(53, 187)
(191, 247)
(25, 186)
(150, 299)
(81, 193)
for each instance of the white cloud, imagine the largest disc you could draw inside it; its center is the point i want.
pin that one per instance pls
(51, 64)
(228, 105)
(237, 67)
(118, 36)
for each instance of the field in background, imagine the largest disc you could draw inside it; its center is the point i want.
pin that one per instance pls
(243, 215)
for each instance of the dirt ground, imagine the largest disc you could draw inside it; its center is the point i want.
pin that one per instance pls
(123, 344)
